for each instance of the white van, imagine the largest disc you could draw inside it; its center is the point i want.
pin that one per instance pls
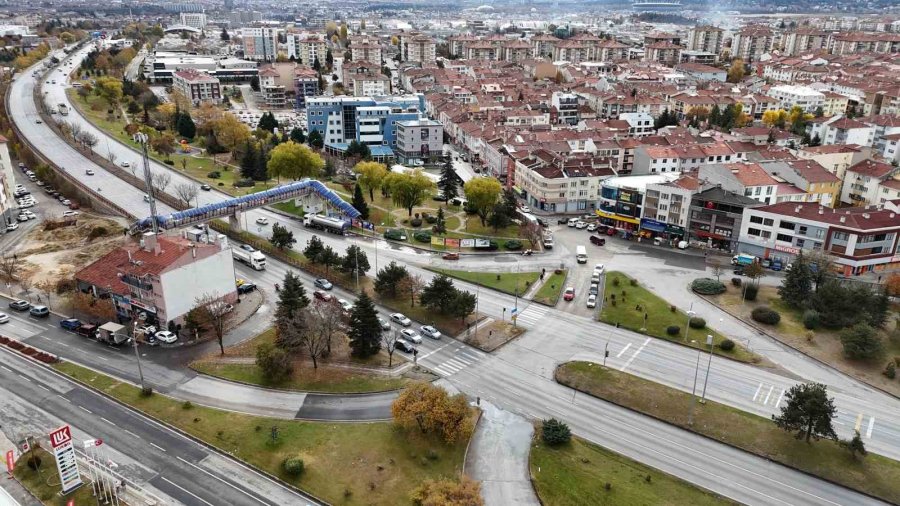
(581, 254)
(572, 222)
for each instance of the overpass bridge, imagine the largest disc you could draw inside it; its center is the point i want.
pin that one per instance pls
(231, 208)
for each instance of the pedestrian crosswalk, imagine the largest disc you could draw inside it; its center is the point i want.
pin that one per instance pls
(768, 395)
(532, 314)
(459, 361)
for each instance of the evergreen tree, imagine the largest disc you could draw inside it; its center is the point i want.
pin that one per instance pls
(355, 259)
(282, 238)
(328, 257)
(807, 410)
(715, 116)
(291, 298)
(268, 122)
(440, 226)
(329, 60)
(254, 83)
(359, 202)
(856, 445)
(498, 218)
(815, 141)
(315, 139)
(796, 287)
(448, 184)
(224, 35)
(248, 161)
(313, 248)
(388, 279)
(439, 294)
(317, 66)
(365, 330)
(297, 136)
(186, 127)
(262, 158)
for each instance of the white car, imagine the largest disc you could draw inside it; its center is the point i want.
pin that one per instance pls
(89, 172)
(401, 319)
(262, 221)
(580, 225)
(592, 301)
(346, 305)
(525, 209)
(428, 330)
(384, 324)
(165, 336)
(12, 226)
(592, 227)
(599, 268)
(146, 198)
(125, 164)
(21, 218)
(4, 318)
(70, 214)
(411, 335)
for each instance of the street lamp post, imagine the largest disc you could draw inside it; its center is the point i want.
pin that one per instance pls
(137, 355)
(694, 390)
(709, 342)
(690, 314)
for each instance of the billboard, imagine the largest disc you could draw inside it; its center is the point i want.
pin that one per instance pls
(66, 462)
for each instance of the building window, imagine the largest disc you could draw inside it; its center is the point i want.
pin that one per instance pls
(756, 219)
(783, 238)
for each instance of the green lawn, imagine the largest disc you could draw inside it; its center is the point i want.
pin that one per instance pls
(289, 207)
(37, 482)
(550, 291)
(508, 282)
(874, 474)
(575, 474)
(346, 463)
(475, 228)
(620, 305)
(324, 379)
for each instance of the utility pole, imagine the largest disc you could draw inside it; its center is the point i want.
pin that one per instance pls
(142, 138)
(709, 342)
(137, 355)
(356, 266)
(694, 390)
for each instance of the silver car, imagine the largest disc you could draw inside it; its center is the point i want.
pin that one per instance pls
(411, 336)
(401, 319)
(428, 330)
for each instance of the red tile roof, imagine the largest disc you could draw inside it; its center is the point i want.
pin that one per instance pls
(872, 168)
(854, 217)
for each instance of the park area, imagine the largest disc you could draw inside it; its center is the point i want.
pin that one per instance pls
(344, 463)
(872, 474)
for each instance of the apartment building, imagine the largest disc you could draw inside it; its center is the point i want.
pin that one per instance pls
(566, 107)
(804, 181)
(716, 217)
(665, 53)
(260, 43)
(744, 178)
(419, 140)
(835, 158)
(804, 97)
(306, 48)
(366, 80)
(751, 42)
(306, 84)
(420, 49)
(650, 159)
(640, 124)
(273, 93)
(666, 210)
(805, 40)
(622, 199)
(197, 86)
(705, 38)
(366, 52)
(193, 19)
(553, 183)
(841, 130)
(860, 239)
(543, 45)
(373, 121)
(863, 182)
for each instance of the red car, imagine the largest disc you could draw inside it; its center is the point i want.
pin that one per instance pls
(570, 294)
(323, 296)
(451, 256)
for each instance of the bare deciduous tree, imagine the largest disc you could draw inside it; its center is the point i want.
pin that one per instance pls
(389, 344)
(716, 265)
(75, 130)
(160, 181)
(9, 268)
(534, 233)
(26, 282)
(112, 157)
(88, 139)
(46, 287)
(216, 314)
(412, 285)
(312, 337)
(186, 192)
(327, 319)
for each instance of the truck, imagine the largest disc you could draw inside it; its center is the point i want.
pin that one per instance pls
(63, 109)
(743, 259)
(254, 259)
(326, 223)
(112, 334)
(581, 254)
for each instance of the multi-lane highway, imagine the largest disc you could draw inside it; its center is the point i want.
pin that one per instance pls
(519, 377)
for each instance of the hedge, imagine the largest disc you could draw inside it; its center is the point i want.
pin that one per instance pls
(707, 286)
(767, 315)
(696, 322)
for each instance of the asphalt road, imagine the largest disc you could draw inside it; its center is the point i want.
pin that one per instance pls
(553, 337)
(167, 463)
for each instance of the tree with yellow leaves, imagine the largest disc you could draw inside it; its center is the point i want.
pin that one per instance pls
(230, 132)
(736, 71)
(294, 161)
(432, 410)
(110, 89)
(775, 119)
(370, 176)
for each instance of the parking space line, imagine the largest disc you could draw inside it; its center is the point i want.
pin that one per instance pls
(871, 426)
(779, 398)
(623, 350)
(769, 394)
(758, 388)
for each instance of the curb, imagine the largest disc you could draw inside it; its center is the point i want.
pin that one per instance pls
(469, 443)
(308, 392)
(761, 330)
(691, 430)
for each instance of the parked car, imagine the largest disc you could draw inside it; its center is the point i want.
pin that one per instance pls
(592, 227)
(384, 324)
(401, 319)
(525, 209)
(125, 164)
(450, 256)
(324, 284)
(165, 336)
(89, 172)
(205, 187)
(346, 305)
(20, 305)
(428, 330)
(592, 301)
(599, 241)
(580, 225)
(39, 311)
(404, 346)
(246, 288)
(411, 335)
(12, 226)
(599, 268)
(570, 294)
(70, 324)
(262, 221)
(323, 296)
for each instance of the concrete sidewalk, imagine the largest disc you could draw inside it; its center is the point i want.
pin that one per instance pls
(498, 457)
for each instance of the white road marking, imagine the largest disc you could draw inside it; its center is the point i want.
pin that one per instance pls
(102, 358)
(779, 398)
(871, 426)
(757, 392)
(432, 352)
(443, 371)
(7, 369)
(456, 363)
(624, 350)
(64, 345)
(185, 490)
(630, 360)
(769, 394)
(24, 377)
(42, 387)
(132, 434)
(85, 409)
(107, 421)
(211, 475)
(160, 448)
(63, 398)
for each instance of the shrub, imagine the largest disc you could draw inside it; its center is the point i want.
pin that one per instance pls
(555, 432)
(422, 237)
(696, 322)
(750, 292)
(513, 245)
(431, 220)
(726, 345)
(707, 286)
(673, 330)
(416, 222)
(493, 246)
(616, 281)
(633, 282)
(244, 183)
(97, 232)
(890, 371)
(214, 175)
(394, 235)
(292, 466)
(146, 391)
(736, 281)
(187, 405)
(861, 342)
(169, 162)
(810, 319)
(673, 309)
(767, 315)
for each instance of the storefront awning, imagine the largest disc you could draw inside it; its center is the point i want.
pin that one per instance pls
(613, 216)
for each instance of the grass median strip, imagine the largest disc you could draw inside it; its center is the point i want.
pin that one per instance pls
(549, 292)
(636, 308)
(506, 282)
(874, 474)
(577, 473)
(345, 463)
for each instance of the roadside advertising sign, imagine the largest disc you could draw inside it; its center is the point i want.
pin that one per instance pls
(66, 462)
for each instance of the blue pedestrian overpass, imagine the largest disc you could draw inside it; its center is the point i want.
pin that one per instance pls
(232, 207)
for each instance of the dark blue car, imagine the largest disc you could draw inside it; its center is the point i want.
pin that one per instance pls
(71, 324)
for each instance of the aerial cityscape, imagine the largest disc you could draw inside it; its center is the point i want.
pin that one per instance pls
(615, 252)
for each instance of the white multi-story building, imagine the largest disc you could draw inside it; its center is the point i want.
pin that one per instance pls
(306, 48)
(421, 139)
(705, 38)
(194, 19)
(841, 130)
(566, 105)
(805, 97)
(420, 49)
(751, 42)
(640, 124)
(863, 182)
